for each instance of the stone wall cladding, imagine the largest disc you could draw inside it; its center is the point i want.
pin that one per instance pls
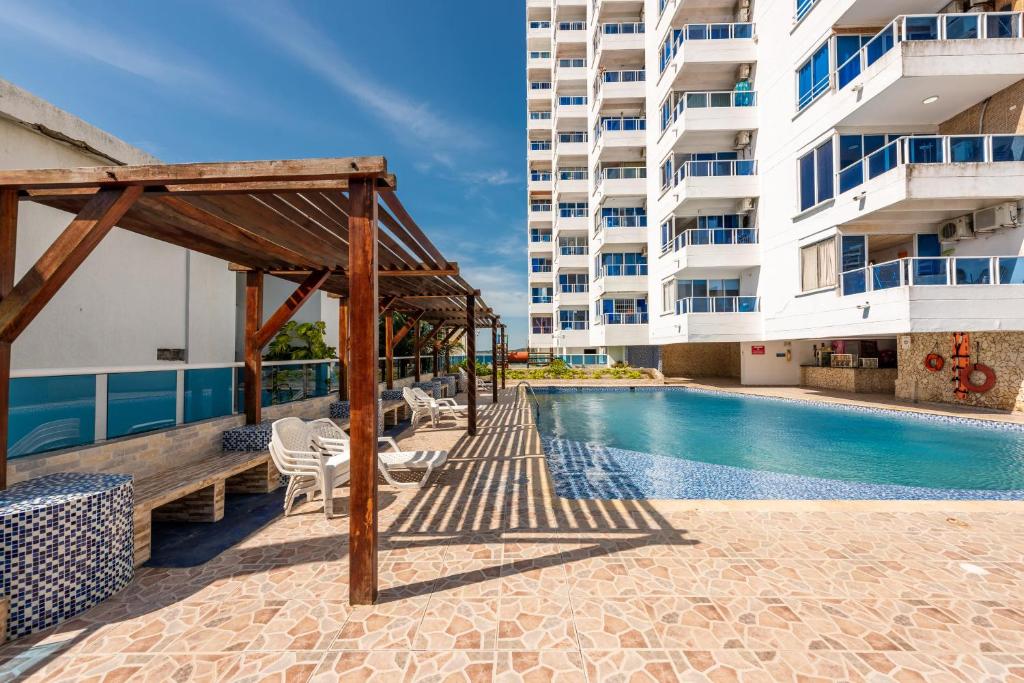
(1003, 114)
(1001, 351)
(711, 359)
(862, 381)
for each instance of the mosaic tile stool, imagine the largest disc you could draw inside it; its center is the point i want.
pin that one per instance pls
(67, 545)
(450, 384)
(342, 412)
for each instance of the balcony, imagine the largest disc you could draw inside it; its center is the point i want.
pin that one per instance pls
(694, 121)
(541, 304)
(571, 33)
(619, 138)
(540, 214)
(571, 111)
(620, 181)
(621, 278)
(618, 40)
(713, 318)
(620, 329)
(939, 176)
(571, 222)
(574, 338)
(539, 121)
(700, 249)
(620, 87)
(619, 230)
(944, 271)
(538, 92)
(539, 181)
(540, 246)
(571, 182)
(715, 48)
(538, 34)
(925, 69)
(571, 257)
(605, 8)
(571, 71)
(572, 295)
(539, 150)
(702, 185)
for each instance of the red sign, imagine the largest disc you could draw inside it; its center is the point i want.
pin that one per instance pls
(757, 350)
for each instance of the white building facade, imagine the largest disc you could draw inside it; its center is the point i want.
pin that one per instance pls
(769, 180)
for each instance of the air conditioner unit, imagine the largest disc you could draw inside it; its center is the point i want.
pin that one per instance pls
(955, 230)
(995, 217)
(742, 139)
(746, 205)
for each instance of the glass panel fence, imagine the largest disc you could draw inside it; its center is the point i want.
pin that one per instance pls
(141, 402)
(48, 413)
(208, 393)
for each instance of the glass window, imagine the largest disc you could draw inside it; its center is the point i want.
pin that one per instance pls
(141, 402)
(208, 393)
(813, 77)
(855, 252)
(815, 174)
(48, 413)
(818, 265)
(807, 187)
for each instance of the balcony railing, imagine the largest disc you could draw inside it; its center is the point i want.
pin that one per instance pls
(541, 238)
(572, 101)
(617, 125)
(803, 7)
(719, 31)
(710, 236)
(540, 177)
(720, 99)
(572, 26)
(704, 169)
(623, 270)
(931, 149)
(618, 29)
(938, 270)
(540, 299)
(621, 173)
(573, 250)
(574, 288)
(623, 318)
(540, 208)
(914, 27)
(573, 175)
(574, 325)
(718, 304)
(631, 76)
(545, 268)
(540, 145)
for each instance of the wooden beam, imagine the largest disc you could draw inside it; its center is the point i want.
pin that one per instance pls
(201, 173)
(389, 350)
(363, 318)
(8, 247)
(430, 335)
(59, 262)
(401, 334)
(253, 373)
(504, 353)
(435, 354)
(287, 309)
(388, 301)
(416, 352)
(268, 187)
(343, 349)
(471, 362)
(494, 363)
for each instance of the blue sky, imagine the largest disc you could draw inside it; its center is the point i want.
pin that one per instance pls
(439, 93)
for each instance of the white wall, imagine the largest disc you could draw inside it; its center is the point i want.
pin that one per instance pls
(771, 369)
(133, 294)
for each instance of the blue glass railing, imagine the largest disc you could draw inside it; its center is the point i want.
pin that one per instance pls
(718, 304)
(51, 410)
(803, 7)
(934, 270)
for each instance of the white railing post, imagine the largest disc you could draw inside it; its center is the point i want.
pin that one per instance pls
(179, 396)
(100, 423)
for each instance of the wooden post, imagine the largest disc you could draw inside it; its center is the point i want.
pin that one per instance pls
(436, 358)
(416, 351)
(8, 246)
(494, 361)
(504, 353)
(471, 361)
(343, 349)
(363, 318)
(389, 350)
(253, 374)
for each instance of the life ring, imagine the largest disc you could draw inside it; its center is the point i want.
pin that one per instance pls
(990, 379)
(933, 362)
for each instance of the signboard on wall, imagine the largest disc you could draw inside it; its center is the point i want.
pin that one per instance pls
(757, 350)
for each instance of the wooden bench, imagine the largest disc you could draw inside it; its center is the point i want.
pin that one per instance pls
(195, 493)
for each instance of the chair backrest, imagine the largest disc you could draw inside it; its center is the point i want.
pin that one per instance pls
(415, 397)
(291, 448)
(422, 395)
(325, 428)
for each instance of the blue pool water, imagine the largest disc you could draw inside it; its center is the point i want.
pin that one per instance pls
(693, 444)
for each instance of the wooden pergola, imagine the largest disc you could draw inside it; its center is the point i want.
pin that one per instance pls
(334, 225)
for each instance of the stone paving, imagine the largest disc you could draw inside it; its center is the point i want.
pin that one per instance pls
(485, 575)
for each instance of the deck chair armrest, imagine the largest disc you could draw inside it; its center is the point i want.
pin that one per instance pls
(388, 441)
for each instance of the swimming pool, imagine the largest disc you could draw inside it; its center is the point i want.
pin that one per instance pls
(686, 443)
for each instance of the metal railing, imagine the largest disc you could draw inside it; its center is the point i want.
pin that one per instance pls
(619, 124)
(540, 237)
(951, 271)
(718, 304)
(536, 177)
(622, 270)
(621, 173)
(931, 149)
(573, 325)
(540, 299)
(617, 29)
(623, 318)
(539, 24)
(711, 99)
(577, 288)
(803, 7)
(716, 31)
(918, 27)
(573, 250)
(572, 101)
(709, 237)
(705, 169)
(540, 268)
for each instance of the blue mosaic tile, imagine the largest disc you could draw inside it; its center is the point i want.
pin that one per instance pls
(67, 543)
(391, 394)
(593, 471)
(247, 437)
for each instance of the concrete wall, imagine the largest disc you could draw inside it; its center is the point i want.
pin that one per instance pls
(133, 294)
(720, 359)
(1002, 351)
(771, 368)
(1001, 113)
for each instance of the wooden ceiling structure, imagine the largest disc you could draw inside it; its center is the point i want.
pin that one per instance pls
(334, 225)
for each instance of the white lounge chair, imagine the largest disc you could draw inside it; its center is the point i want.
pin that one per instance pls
(481, 384)
(331, 437)
(421, 406)
(308, 468)
(441, 406)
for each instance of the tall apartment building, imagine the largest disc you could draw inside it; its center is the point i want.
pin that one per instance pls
(749, 185)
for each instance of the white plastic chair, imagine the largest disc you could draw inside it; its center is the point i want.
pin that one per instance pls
(441, 406)
(330, 436)
(481, 384)
(308, 469)
(421, 406)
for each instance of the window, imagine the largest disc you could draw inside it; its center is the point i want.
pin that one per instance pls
(572, 62)
(540, 145)
(572, 173)
(573, 209)
(540, 324)
(623, 311)
(540, 264)
(572, 246)
(540, 235)
(803, 7)
(818, 265)
(572, 100)
(540, 295)
(574, 319)
(853, 259)
(622, 264)
(668, 299)
(815, 170)
(624, 217)
(540, 205)
(540, 85)
(573, 283)
(540, 115)
(666, 173)
(812, 78)
(575, 136)
(540, 54)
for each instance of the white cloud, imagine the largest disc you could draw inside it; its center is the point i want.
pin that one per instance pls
(413, 121)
